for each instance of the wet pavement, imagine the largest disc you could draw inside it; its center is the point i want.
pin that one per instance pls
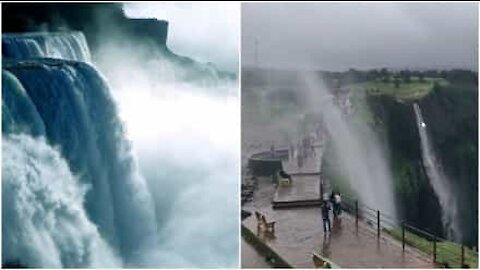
(305, 184)
(251, 258)
(303, 188)
(299, 233)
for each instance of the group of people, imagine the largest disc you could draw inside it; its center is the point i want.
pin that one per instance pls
(334, 203)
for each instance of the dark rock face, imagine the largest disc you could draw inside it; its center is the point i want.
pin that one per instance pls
(416, 199)
(451, 116)
(452, 113)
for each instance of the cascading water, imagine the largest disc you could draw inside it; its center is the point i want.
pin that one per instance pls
(62, 45)
(69, 104)
(185, 134)
(55, 100)
(438, 180)
(43, 217)
(357, 149)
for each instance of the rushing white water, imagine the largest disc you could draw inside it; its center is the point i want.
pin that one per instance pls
(357, 148)
(43, 217)
(178, 208)
(61, 45)
(70, 105)
(186, 138)
(438, 180)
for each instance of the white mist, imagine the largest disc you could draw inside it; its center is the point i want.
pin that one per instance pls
(356, 146)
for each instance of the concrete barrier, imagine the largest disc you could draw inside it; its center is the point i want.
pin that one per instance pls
(273, 258)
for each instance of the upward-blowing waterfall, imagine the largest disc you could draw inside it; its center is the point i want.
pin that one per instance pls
(438, 180)
(359, 153)
(71, 193)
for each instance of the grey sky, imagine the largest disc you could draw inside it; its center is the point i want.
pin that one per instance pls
(338, 36)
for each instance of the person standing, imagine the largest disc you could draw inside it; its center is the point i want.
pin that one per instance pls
(332, 202)
(338, 204)
(325, 216)
(336, 200)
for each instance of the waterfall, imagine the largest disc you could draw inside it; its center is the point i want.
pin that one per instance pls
(438, 180)
(62, 45)
(65, 106)
(43, 219)
(357, 148)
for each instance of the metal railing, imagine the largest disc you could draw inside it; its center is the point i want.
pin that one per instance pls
(444, 252)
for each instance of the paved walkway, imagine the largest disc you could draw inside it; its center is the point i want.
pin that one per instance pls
(305, 179)
(251, 258)
(303, 188)
(299, 232)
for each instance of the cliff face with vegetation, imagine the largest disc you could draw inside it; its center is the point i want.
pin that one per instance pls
(450, 113)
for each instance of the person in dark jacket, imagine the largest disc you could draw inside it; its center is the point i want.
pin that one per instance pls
(325, 216)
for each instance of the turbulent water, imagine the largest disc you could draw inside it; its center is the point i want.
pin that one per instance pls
(43, 217)
(72, 189)
(69, 105)
(65, 45)
(438, 180)
(358, 151)
(186, 139)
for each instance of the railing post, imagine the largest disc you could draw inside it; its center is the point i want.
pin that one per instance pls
(434, 248)
(356, 214)
(378, 223)
(403, 236)
(321, 188)
(462, 261)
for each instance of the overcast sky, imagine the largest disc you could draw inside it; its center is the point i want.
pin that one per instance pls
(338, 36)
(207, 32)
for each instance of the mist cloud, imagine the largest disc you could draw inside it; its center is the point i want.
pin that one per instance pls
(207, 32)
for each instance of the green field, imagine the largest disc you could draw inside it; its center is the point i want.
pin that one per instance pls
(405, 91)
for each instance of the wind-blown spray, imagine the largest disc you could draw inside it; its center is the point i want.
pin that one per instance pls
(186, 138)
(163, 213)
(356, 146)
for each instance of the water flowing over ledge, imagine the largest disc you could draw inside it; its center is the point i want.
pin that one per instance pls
(69, 106)
(61, 45)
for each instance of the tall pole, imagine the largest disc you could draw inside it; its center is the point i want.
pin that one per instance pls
(321, 187)
(378, 223)
(356, 214)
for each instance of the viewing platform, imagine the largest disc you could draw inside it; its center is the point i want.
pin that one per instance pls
(299, 234)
